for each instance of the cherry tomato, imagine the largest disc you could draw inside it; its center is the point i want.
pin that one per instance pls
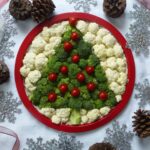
(80, 77)
(64, 69)
(75, 92)
(63, 88)
(75, 58)
(73, 21)
(75, 36)
(52, 97)
(68, 47)
(90, 70)
(91, 86)
(103, 95)
(52, 77)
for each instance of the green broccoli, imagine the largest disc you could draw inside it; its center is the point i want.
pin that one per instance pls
(98, 104)
(111, 102)
(88, 104)
(83, 63)
(73, 70)
(103, 87)
(64, 80)
(42, 81)
(66, 36)
(85, 93)
(35, 97)
(93, 60)
(100, 74)
(94, 94)
(57, 66)
(75, 83)
(60, 103)
(51, 62)
(75, 103)
(45, 71)
(75, 117)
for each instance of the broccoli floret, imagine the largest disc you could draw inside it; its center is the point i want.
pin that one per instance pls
(69, 60)
(51, 62)
(100, 74)
(75, 83)
(84, 93)
(98, 104)
(103, 87)
(35, 97)
(43, 101)
(74, 51)
(75, 103)
(66, 36)
(64, 80)
(44, 89)
(42, 81)
(45, 71)
(73, 70)
(83, 63)
(59, 103)
(94, 94)
(88, 104)
(84, 49)
(57, 66)
(111, 102)
(93, 60)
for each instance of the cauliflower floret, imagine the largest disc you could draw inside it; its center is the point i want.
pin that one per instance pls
(55, 41)
(93, 115)
(28, 60)
(109, 52)
(118, 89)
(40, 61)
(82, 26)
(112, 75)
(60, 30)
(64, 120)
(111, 63)
(24, 71)
(89, 37)
(118, 51)
(56, 119)
(121, 62)
(121, 69)
(118, 98)
(38, 45)
(48, 112)
(104, 111)
(109, 40)
(93, 27)
(104, 64)
(99, 51)
(49, 50)
(29, 86)
(83, 112)
(121, 89)
(98, 40)
(102, 32)
(45, 34)
(34, 76)
(84, 119)
(122, 78)
(63, 112)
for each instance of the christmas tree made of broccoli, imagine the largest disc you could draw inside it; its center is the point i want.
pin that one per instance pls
(73, 77)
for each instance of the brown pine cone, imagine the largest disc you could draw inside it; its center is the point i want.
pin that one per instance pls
(114, 8)
(20, 9)
(102, 146)
(141, 123)
(4, 72)
(42, 9)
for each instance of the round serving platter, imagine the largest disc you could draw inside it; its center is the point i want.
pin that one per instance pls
(90, 126)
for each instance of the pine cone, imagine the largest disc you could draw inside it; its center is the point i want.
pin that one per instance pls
(102, 146)
(141, 123)
(4, 72)
(42, 9)
(20, 9)
(114, 8)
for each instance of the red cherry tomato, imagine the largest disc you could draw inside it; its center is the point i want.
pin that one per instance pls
(63, 88)
(73, 21)
(80, 77)
(75, 58)
(52, 77)
(75, 92)
(52, 97)
(68, 47)
(64, 69)
(91, 86)
(90, 70)
(75, 36)
(103, 95)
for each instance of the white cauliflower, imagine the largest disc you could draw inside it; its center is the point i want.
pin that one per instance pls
(122, 78)
(104, 111)
(82, 26)
(40, 61)
(118, 51)
(118, 98)
(98, 39)
(93, 115)
(121, 62)
(121, 89)
(83, 112)
(49, 50)
(104, 64)
(84, 119)
(48, 112)
(89, 37)
(109, 52)
(102, 32)
(63, 112)
(121, 69)
(56, 119)
(99, 51)
(34, 76)
(29, 59)
(55, 41)
(29, 86)
(24, 70)
(109, 40)
(112, 75)
(38, 45)
(45, 34)
(64, 120)
(111, 63)
(93, 27)
(118, 89)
